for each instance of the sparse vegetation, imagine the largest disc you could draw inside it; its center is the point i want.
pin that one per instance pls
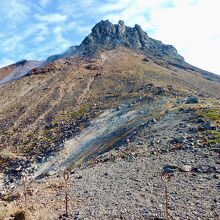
(30, 135)
(211, 114)
(78, 113)
(214, 136)
(9, 197)
(55, 123)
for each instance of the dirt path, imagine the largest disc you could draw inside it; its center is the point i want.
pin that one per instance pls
(64, 87)
(29, 110)
(85, 92)
(90, 82)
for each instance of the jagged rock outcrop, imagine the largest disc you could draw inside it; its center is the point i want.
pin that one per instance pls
(106, 35)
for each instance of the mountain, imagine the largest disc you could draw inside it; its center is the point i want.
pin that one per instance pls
(117, 111)
(107, 36)
(17, 70)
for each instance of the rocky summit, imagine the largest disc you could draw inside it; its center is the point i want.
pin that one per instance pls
(125, 117)
(107, 36)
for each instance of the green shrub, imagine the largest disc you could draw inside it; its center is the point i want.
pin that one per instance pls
(215, 136)
(211, 114)
(78, 113)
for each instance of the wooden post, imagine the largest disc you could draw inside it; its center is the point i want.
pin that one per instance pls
(166, 178)
(66, 177)
(166, 203)
(25, 189)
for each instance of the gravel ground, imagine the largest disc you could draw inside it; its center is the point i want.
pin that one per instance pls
(125, 183)
(131, 188)
(134, 189)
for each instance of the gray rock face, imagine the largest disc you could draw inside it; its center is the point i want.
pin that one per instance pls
(186, 168)
(208, 126)
(205, 169)
(192, 100)
(179, 139)
(106, 35)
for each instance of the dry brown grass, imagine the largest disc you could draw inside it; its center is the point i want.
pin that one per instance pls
(26, 104)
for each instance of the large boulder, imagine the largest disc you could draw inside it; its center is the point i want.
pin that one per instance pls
(192, 100)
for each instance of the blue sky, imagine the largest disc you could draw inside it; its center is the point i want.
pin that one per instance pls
(35, 29)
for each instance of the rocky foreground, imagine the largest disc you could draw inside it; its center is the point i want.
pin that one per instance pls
(125, 183)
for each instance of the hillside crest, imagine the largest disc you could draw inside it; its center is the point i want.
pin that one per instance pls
(106, 36)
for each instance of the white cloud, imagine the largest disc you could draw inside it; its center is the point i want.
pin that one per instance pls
(132, 12)
(58, 35)
(9, 45)
(42, 33)
(80, 28)
(51, 18)
(14, 41)
(61, 43)
(191, 28)
(190, 25)
(115, 6)
(6, 62)
(14, 11)
(87, 3)
(44, 3)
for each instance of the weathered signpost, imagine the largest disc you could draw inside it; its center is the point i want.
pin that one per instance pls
(166, 178)
(66, 178)
(25, 179)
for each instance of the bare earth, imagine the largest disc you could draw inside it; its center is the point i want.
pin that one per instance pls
(116, 123)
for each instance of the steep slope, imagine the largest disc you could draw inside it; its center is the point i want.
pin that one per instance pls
(55, 101)
(17, 70)
(118, 115)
